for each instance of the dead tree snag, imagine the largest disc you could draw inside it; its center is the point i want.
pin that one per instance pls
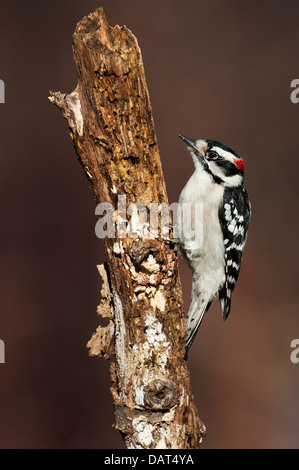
(110, 121)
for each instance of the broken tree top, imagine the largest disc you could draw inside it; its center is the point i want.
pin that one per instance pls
(110, 110)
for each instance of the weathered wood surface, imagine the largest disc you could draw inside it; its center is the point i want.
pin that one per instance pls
(110, 121)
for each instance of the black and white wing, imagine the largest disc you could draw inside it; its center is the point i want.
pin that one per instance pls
(234, 218)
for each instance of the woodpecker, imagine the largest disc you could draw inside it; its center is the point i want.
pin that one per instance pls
(217, 183)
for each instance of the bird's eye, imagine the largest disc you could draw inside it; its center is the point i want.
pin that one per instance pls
(212, 155)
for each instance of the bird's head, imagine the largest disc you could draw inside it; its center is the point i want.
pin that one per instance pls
(223, 164)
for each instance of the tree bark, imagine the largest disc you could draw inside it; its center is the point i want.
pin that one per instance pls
(110, 121)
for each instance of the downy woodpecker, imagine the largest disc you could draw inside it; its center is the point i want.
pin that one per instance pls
(217, 183)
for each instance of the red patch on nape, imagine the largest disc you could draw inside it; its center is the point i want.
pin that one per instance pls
(240, 164)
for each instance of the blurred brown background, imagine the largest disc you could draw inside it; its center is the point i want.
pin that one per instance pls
(215, 69)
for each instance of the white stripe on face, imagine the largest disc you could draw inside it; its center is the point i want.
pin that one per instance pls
(224, 153)
(234, 180)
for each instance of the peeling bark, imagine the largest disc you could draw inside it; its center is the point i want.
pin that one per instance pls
(110, 121)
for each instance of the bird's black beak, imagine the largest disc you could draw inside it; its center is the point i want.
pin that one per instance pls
(191, 143)
(197, 153)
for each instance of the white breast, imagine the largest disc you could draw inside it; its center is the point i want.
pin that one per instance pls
(206, 259)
